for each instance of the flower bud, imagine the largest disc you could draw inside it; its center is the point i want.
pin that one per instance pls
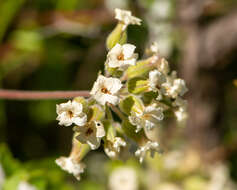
(118, 35)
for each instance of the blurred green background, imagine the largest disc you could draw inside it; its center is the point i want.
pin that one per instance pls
(60, 45)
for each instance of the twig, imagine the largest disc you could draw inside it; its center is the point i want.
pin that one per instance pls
(117, 111)
(36, 95)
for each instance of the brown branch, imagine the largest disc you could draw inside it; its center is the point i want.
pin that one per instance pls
(36, 95)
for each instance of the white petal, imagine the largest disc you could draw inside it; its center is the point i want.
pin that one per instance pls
(100, 132)
(23, 185)
(71, 166)
(64, 106)
(128, 50)
(64, 119)
(117, 49)
(111, 99)
(80, 121)
(93, 142)
(113, 85)
(77, 107)
(126, 17)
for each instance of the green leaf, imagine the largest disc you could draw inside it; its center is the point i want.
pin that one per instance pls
(27, 40)
(8, 9)
(9, 164)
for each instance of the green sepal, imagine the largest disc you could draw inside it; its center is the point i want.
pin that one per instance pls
(84, 103)
(149, 96)
(129, 130)
(110, 130)
(116, 36)
(115, 72)
(131, 103)
(137, 85)
(95, 112)
(141, 68)
(79, 150)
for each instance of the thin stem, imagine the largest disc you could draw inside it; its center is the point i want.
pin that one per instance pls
(36, 95)
(108, 112)
(117, 111)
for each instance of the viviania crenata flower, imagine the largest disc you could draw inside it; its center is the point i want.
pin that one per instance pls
(130, 99)
(71, 166)
(91, 134)
(113, 147)
(106, 90)
(121, 56)
(71, 112)
(151, 147)
(126, 18)
(124, 178)
(147, 118)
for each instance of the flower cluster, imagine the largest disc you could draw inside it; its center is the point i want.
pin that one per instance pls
(140, 92)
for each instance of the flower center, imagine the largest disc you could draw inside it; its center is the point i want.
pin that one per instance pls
(70, 113)
(120, 57)
(105, 90)
(89, 131)
(158, 86)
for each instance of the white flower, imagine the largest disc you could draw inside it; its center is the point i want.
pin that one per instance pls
(71, 112)
(219, 177)
(174, 88)
(126, 18)
(156, 79)
(154, 48)
(161, 9)
(23, 185)
(121, 56)
(106, 89)
(123, 178)
(113, 4)
(173, 160)
(149, 146)
(148, 119)
(113, 148)
(181, 112)
(2, 176)
(91, 134)
(164, 66)
(71, 166)
(181, 115)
